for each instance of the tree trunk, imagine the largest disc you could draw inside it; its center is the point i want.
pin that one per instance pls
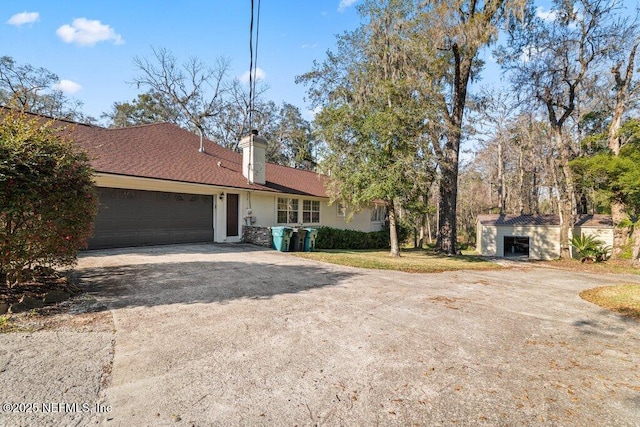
(566, 196)
(502, 198)
(622, 94)
(422, 226)
(449, 161)
(620, 234)
(393, 231)
(447, 231)
(618, 214)
(521, 181)
(635, 237)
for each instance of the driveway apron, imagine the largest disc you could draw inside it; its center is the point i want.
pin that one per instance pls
(235, 335)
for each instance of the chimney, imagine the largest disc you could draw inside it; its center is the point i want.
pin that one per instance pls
(254, 148)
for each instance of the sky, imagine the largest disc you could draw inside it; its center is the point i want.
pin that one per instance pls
(90, 45)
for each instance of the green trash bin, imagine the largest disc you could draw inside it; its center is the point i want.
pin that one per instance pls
(310, 240)
(281, 238)
(297, 240)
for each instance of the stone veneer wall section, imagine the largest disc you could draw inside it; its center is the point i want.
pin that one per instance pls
(260, 236)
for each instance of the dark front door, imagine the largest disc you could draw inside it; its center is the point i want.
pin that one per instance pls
(232, 215)
(138, 218)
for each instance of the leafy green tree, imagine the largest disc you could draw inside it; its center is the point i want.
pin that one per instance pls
(616, 179)
(47, 197)
(371, 116)
(145, 109)
(554, 61)
(293, 133)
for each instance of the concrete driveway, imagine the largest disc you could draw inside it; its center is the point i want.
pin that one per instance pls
(235, 335)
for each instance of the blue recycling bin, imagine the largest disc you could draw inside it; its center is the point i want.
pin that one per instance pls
(281, 237)
(310, 240)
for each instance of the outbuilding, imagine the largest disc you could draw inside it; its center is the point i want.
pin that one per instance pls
(534, 236)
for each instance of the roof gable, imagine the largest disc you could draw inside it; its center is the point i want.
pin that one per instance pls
(165, 151)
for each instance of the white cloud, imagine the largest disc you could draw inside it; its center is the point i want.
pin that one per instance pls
(311, 114)
(309, 45)
(19, 19)
(259, 74)
(345, 4)
(85, 32)
(548, 15)
(67, 86)
(529, 52)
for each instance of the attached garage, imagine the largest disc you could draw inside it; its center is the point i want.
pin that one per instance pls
(139, 218)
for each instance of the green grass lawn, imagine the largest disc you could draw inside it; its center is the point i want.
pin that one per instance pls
(611, 266)
(412, 261)
(623, 299)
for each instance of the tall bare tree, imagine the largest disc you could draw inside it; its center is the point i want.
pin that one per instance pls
(551, 58)
(449, 36)
(626, 91)
(193, 90)
(496, 109)
(32, 89)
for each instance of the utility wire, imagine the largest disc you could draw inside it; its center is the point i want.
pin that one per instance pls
(253, 60)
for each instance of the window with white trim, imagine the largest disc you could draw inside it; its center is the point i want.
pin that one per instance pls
(342, 210)
(287, 210)
(378, 213)
(310, 211)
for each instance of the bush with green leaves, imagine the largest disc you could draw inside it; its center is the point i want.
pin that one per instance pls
(47, 198)
(335, 238)
(590, 249)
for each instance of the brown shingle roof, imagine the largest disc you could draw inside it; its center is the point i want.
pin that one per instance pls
(165, 151)
(597, 221)
(601, 221)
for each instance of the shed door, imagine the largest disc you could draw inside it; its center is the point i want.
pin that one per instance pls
(232, 215)
(516, 246)
(139, 218)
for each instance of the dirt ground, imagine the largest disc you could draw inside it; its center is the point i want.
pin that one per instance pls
(237, 335)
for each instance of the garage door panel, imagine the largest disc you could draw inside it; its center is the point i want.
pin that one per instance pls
(139, 218)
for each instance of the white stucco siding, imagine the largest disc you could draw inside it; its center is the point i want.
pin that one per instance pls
(487, 240)
(544, 241)
(264, 208)
(151, 184)
(603, 234)
(360, 221)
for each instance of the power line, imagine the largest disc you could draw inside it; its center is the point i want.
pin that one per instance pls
(253, 60)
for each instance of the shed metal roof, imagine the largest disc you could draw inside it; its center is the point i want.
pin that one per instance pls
(594, 220)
